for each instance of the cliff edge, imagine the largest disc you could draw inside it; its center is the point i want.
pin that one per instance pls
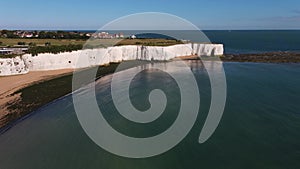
(103, 56)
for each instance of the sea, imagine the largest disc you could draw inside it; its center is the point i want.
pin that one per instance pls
(235, 41)
(259, 127)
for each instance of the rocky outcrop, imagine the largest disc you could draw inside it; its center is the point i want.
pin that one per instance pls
(102, 56)
(270, 57)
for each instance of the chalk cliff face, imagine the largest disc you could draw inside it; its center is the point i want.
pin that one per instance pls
(12, 66)
(102, 56)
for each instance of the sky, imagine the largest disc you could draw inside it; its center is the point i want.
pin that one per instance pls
(93, 14)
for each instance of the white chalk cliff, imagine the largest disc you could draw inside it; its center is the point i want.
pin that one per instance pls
(12, 66)
(93, 57)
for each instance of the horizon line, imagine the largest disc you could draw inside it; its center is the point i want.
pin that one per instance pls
(267, 29)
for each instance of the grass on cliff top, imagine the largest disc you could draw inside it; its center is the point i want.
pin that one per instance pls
(104, 42)
(8, 56)
(87, 44)
(13, 41)
(149, 42)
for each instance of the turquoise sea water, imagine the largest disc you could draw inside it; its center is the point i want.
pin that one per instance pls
(260, 127)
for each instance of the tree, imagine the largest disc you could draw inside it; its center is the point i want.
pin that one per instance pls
(42, 34)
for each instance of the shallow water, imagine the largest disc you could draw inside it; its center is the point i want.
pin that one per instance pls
(259, 129)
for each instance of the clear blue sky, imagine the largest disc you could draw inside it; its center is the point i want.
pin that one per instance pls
(207, 14)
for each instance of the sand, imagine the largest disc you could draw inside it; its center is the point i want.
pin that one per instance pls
(11, 84)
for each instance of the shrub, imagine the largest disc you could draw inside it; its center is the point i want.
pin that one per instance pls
(21, 43)
(35, 50)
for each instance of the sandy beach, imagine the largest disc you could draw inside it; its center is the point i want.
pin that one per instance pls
(22, 94)
(11, 84)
